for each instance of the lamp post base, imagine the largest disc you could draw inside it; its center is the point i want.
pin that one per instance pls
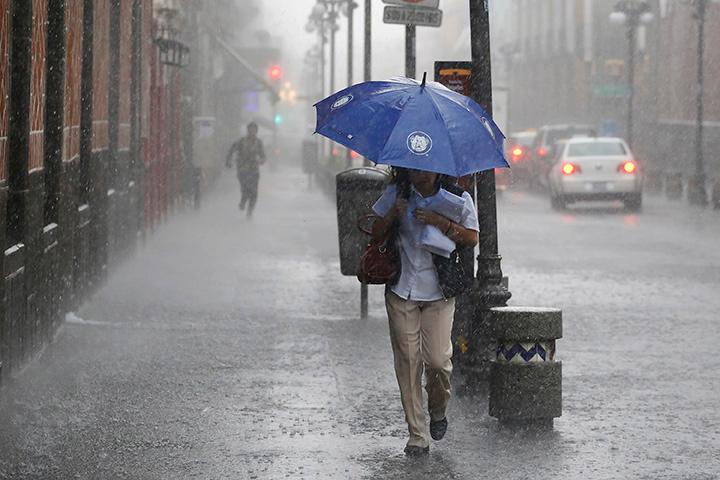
(473, 339)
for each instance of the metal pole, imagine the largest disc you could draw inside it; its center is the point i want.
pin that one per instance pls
(367, 74)
(351, 9)
(490, 289)
(368, 41)
(698, 195)
(333, 18)
(410, 51)
(632, 28)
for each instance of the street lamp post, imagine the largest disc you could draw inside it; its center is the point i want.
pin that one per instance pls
(349, 9)
(632, 13)
(697, 194)
(490, 291)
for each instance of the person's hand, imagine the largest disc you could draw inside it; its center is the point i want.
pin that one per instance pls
(428, 217)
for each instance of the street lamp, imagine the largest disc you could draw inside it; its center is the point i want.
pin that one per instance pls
(632, 14)
(697, 194)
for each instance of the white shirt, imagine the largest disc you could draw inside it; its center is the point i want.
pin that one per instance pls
(418, 278)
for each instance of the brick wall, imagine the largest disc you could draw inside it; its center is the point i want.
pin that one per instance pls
(37, 91)
(73, 66)
(101, 72)
(4, 83)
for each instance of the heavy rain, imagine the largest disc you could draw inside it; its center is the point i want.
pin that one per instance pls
(359, 239)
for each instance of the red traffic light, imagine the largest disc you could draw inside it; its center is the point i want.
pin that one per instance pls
(275, 72)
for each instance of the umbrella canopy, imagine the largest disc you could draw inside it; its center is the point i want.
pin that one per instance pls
(405, 123)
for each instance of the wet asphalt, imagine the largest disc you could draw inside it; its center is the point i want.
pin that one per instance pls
(229, 348)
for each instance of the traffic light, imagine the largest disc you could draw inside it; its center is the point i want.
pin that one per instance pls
(278, 119)
(275, 72)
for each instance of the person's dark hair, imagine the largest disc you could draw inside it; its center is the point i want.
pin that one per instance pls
(252, 125)
(401, 178)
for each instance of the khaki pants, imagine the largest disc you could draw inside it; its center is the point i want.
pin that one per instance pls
(420, 333)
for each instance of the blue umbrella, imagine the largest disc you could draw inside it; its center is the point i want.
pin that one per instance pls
(405, 123)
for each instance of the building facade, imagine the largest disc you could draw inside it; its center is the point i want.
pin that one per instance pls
(570, 65)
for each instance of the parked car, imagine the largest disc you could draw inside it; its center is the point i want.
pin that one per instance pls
(595, 169)
(518, 152)
(542, 151)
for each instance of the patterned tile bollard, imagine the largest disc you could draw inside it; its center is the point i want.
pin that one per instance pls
(525, 379)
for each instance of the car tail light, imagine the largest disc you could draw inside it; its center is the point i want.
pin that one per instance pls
(627, 167)
(570, 168)
(516, 153)
(542, 151)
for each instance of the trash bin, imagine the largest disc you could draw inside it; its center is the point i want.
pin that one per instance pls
(357, 190)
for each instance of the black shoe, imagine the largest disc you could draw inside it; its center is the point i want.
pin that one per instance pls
(438, 429)
(415, 451)
(241, 206)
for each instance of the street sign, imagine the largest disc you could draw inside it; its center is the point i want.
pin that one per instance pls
(414, 3)
(426, 17)
(454, 75)
(611, 90)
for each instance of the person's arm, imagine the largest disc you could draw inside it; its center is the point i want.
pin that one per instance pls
(261, 151)
(382, 225)
(464, 237)
(231, 152)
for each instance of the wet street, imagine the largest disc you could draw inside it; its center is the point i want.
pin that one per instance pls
(232, 348)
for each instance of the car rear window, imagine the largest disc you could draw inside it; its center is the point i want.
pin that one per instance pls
(556, 135)
(593, 149)
(522, 140)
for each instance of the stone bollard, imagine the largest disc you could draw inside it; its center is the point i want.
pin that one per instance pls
(525, 379)
(715, 195)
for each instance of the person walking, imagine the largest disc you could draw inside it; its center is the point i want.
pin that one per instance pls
(249, 154)
(420, 317)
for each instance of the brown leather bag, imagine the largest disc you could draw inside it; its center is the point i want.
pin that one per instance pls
(380, 263)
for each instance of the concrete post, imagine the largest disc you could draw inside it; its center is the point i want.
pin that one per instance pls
(525, 379)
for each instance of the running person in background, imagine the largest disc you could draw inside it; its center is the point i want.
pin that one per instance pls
(249, 154)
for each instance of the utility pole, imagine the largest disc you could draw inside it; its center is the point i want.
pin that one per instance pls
(697, 194)
(410, 51)
(490, 291)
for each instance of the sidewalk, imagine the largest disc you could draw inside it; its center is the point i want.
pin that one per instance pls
(232, 348)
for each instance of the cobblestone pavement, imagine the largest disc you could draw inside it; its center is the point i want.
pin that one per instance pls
(232, 348)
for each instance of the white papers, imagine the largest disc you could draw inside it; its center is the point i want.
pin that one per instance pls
(448, 205)
(433, 240)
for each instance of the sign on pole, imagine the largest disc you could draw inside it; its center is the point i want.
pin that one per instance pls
(414, 3)
(426, 17)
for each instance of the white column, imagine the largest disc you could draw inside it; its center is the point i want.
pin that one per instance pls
(570, 26)
(588, 36)
(557, 25)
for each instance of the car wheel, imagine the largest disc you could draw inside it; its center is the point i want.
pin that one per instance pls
(557, 202)
(633, 202)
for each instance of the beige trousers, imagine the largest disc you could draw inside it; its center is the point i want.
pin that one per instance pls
(420, 333)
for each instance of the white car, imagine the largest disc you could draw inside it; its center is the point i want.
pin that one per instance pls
(595, 168)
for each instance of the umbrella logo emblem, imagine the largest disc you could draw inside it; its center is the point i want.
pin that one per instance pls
(419, 143)
(342, 101)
